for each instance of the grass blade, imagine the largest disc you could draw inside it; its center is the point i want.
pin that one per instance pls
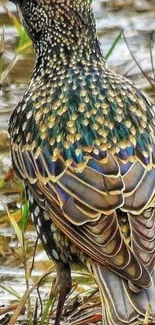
(114, 45)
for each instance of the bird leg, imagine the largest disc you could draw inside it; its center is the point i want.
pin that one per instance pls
(62, 287)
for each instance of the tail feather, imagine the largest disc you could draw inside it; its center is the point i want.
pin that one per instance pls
(143, 300)
(120, 304)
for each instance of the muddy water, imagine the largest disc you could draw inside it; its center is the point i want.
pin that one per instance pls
(138, 23)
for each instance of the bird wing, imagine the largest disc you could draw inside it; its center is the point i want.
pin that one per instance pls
(83, 204)
(107, 163)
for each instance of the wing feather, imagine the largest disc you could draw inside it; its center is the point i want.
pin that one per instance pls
(83, 205)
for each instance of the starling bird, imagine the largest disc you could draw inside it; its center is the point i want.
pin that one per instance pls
(83, 142)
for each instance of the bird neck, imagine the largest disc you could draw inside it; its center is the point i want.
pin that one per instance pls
(70, 37)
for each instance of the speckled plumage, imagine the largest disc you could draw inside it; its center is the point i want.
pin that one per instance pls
(83, 140)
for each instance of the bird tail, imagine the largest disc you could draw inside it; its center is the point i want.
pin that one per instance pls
(119, 303)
